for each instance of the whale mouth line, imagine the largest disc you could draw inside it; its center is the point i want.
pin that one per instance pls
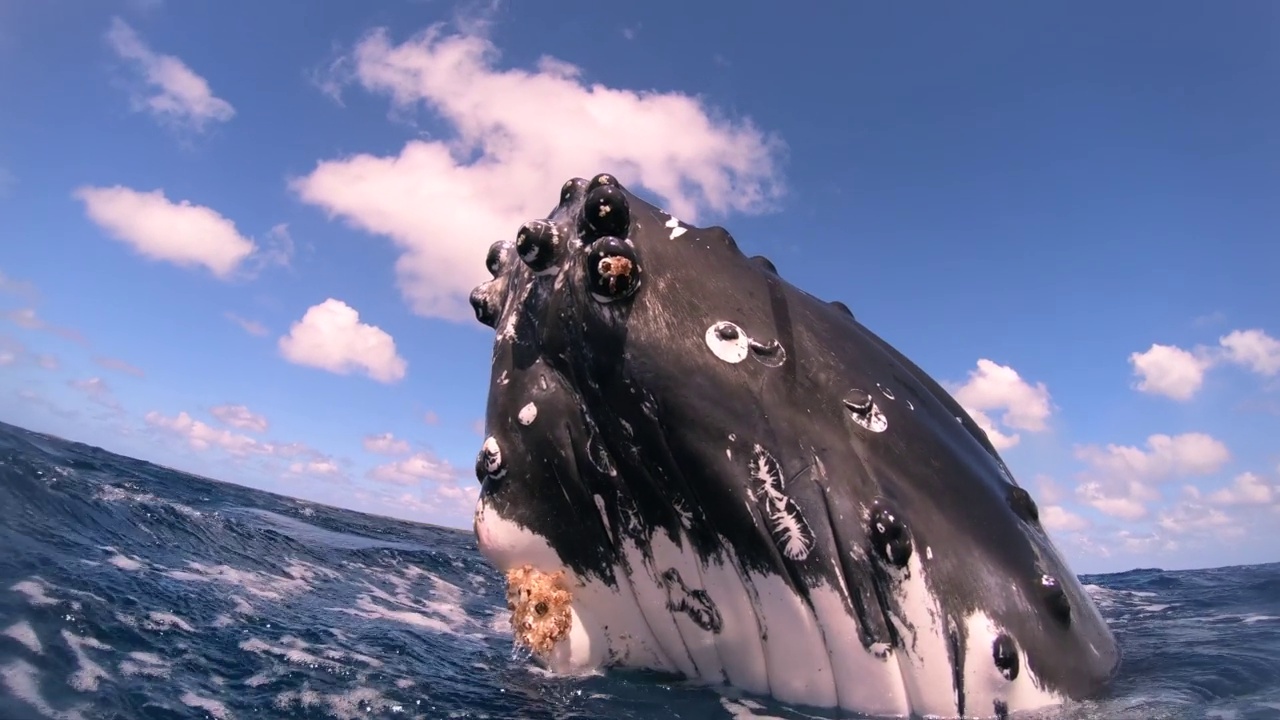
(692, 466)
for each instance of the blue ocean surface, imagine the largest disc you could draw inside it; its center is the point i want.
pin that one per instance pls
(132, 591)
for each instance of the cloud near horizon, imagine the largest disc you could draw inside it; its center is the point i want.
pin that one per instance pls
(517, 133)
(1122, 479)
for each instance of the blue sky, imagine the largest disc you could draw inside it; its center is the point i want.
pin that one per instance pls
(237, 239)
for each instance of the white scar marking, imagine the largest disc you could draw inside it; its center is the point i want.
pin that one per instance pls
(676, 230)
(873, 420)
(885, 390)
(731, 350)
(790, 531)
(604, 516)
(493, 458)
(528, 414)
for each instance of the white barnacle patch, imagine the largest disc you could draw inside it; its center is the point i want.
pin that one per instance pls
(676, 229)
(491, 458)
(787, 524)
(528, 414)
(728, 341)
(873, 419)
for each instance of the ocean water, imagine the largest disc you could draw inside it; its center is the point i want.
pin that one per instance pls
(132, 591)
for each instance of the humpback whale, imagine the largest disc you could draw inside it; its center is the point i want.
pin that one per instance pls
(693, 466)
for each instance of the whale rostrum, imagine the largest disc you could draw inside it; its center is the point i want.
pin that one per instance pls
(693, 466)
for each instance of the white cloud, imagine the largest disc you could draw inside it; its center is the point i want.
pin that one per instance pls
(14, 353)
(331, 337)
(321, 467)
(201, 436)
(431, 418)
(1125, 500)
(1053, 515)
(462, 496)
(414, 469)
(1254, 349)
(1056, 517)
(13, 286)
(1189, 517)
(239, 416)
(28, 319)
(304, 460)
(277, 247)
(1049, 490)
(1121, 479)
(993, 388)
(438, 502)
(1177, 373)
(999, 440)
(97, 390)
(253, 327)
(35, 399)
(517, 136)
(1246, 489)
(172, 92)
(157, 228)
(1165, 457)
(1170, 371)
(1136, 544)
(25, 318)
(386, 444)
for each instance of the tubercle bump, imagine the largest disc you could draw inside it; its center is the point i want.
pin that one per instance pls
(591, 225)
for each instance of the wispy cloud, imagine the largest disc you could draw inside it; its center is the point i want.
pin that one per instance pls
(253, 327)
(241, 417)
(118, 365)
(164, 86)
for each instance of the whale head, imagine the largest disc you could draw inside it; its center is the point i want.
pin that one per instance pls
(694, 466)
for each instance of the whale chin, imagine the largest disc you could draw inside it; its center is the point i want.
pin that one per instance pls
(812, 656)
(694, 467)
